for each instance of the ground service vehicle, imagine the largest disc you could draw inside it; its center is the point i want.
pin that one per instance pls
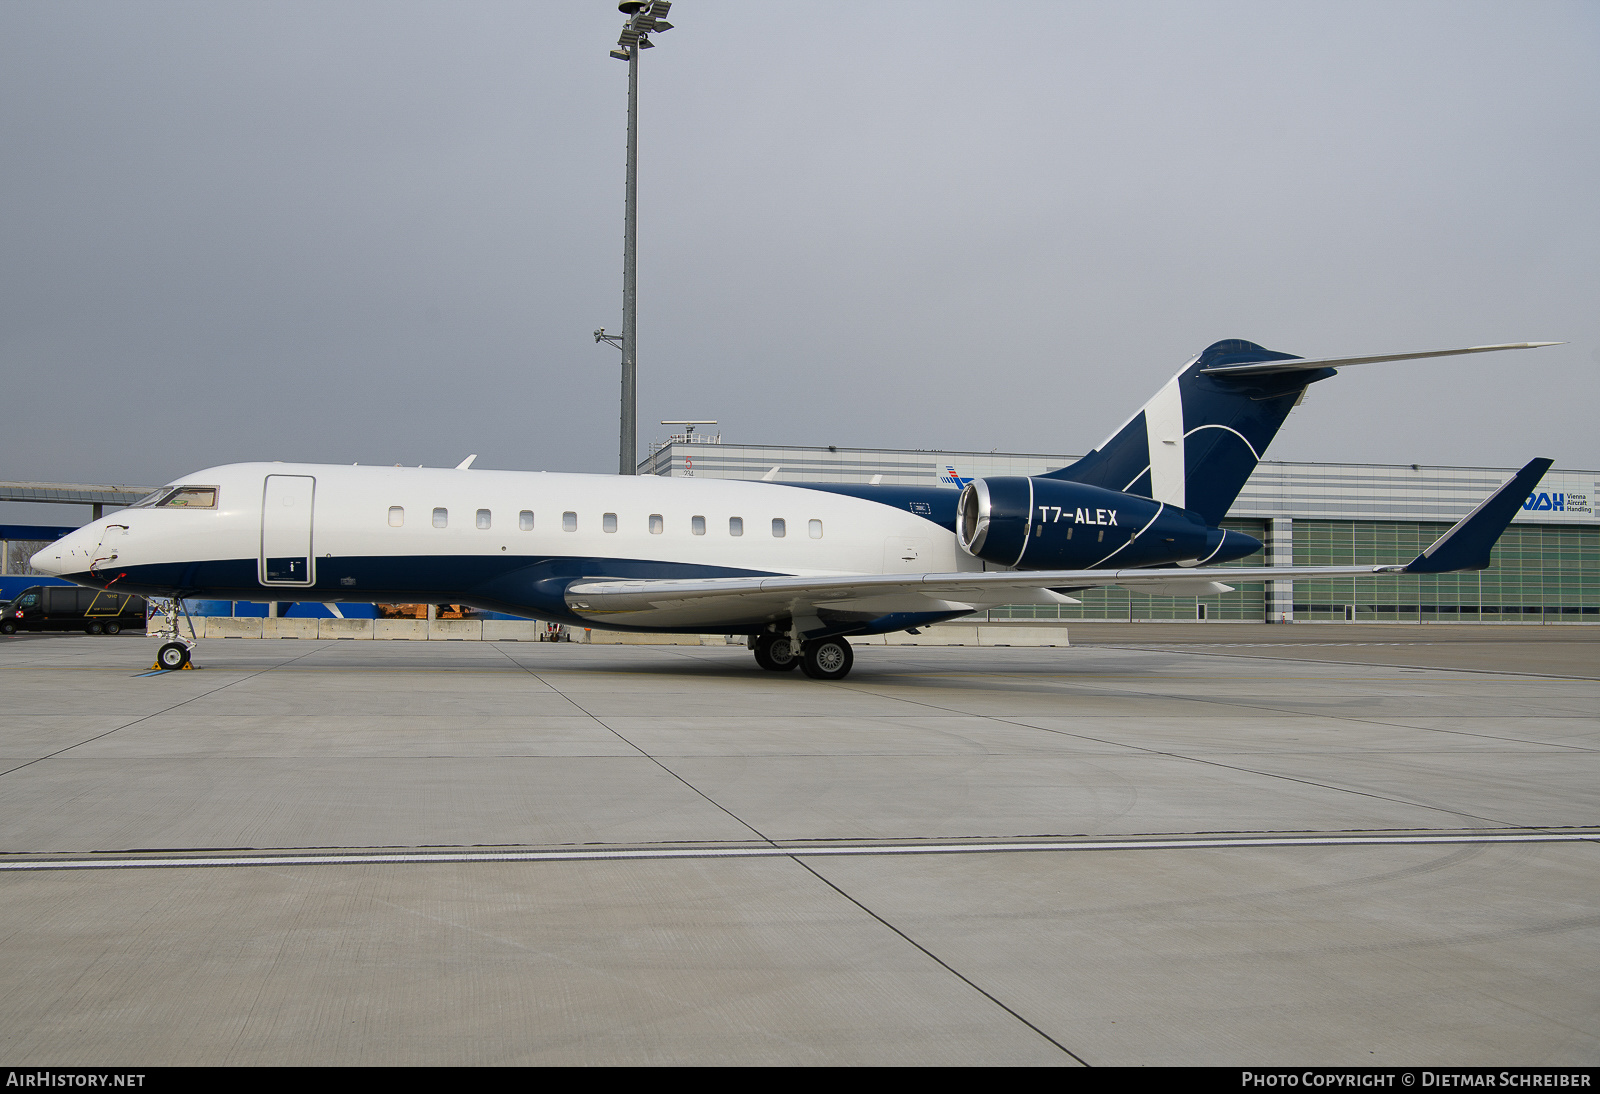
(71, 608)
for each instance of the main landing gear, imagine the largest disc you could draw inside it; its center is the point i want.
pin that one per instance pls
(822, 659)
(775, 653)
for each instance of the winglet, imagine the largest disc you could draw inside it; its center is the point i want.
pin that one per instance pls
(1467, 545)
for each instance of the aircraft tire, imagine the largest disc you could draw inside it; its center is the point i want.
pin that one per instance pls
(773, 654)
(828, 659)
(174, 655)
(113, 628)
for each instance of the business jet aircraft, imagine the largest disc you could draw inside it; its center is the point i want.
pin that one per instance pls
(797, 568)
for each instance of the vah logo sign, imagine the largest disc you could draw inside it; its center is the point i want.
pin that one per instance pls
(1561, 496)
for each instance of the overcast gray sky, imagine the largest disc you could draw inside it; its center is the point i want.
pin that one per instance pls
(383, 232)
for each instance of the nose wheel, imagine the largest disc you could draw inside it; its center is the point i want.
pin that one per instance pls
(173, 655)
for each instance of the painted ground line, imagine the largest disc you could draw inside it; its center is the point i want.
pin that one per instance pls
(765, 851)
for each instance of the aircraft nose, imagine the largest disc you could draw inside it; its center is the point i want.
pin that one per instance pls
(71, 554)
(49, 561)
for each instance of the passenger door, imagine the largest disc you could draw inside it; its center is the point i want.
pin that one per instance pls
(286, 556)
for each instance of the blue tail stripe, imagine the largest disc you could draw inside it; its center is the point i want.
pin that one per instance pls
(1228, 422)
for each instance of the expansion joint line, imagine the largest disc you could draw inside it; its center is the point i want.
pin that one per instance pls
(763, 837)
(154, 714)
(938, 960)
(1216, 763)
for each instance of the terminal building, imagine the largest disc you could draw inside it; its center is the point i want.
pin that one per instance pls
(1546, 568)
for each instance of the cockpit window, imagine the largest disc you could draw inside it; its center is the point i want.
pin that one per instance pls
(150, 500)
(190, 497)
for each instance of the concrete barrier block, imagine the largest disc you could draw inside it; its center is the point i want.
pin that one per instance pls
(289, 628)
(415, 630)
(223, 626)
(1022, 636)
(462, 630)
(512, 630)
(345, 628)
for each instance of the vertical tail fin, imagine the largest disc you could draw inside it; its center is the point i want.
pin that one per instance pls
(1196, 442)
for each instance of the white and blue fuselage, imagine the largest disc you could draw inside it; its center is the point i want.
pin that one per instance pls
(502, 540)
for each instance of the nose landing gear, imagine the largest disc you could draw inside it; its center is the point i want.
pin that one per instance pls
(175, 647)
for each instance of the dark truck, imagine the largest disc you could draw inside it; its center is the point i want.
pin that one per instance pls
(71, 608)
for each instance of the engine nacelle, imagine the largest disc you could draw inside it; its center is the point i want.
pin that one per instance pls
(1053, 524)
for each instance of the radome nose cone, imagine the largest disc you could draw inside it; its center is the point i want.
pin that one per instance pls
(49, 561)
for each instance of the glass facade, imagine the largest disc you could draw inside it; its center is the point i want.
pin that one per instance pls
(1538, 574)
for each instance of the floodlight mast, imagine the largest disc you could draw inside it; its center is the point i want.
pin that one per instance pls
(645, 17)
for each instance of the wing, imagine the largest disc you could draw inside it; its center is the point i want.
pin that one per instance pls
(740, 601)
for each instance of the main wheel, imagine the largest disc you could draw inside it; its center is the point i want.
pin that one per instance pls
(775, 653)
(174, 655)
(113, 627)
(828, 659)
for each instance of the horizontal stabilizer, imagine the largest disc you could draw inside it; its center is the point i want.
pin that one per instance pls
(1300, 364)
(1466, 546)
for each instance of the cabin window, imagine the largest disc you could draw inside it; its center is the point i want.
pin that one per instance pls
(397, 516)
(484, 519)
(569, 521)
(815, 529)
(657, 525)
(736, 526)
(779, 528)
(697, 525)
(525, 520)
(441, 517)
(608, 522)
